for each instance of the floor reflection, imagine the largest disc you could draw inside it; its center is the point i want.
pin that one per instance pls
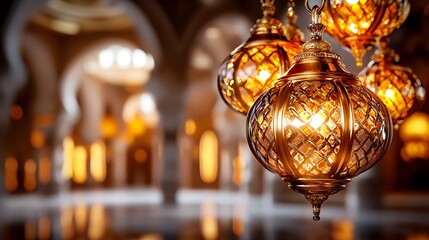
(237, 216)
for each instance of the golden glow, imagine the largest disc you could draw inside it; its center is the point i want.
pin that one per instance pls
(389, 94)
(30, 230)
(238, 168)
(343, 229)
(136, 127)
(44, 228)
(246, 74)
(352, 1)
(67, 227)
(415, 128)
(80, 217)
(140, 155)
(30, 180)
(209, 224)
(264, 75)
(16, 112)
(98, 161)
(356, 24)
(238, 221)
(208, 155)
(68, 155)
(97, 222)
(316, 121)
(190, 127)
(151, 236)
(37, 139)
(11, 174)
(66, 27)
(80, 169)
(415, 150)
(44, 170)
(108, 127)
(44, 120)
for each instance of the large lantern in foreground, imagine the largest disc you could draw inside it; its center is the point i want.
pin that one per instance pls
(356, 24)
(318, 127)
(396, 84)
(256, 64)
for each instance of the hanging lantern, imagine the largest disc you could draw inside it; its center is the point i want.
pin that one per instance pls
(318, 127)
(292, 32)
(396, 85)
(256, 64)
(356, 24)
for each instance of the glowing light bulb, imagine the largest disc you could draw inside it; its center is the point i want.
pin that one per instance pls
(123, 57)
(352, 1)
(264, 75)
(389, 93)
(316, 121)
(106, 58)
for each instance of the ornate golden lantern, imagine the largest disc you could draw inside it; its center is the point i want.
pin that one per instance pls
(256, 64)
(396, 85)
(318, 127)
(356, 24)
(292, 32)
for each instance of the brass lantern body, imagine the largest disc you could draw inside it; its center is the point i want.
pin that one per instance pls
(318, 127)
(356, 24)
(396, 85)
(255, 65)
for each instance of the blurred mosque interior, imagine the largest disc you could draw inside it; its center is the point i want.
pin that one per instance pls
(112, 127)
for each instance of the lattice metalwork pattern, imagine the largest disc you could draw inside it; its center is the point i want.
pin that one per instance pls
(260, 133)
(249, 71)
(357, 25)
(311, 128)
(398, 88)
(371, 135)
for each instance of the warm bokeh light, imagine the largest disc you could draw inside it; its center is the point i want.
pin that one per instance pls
(11, 174)
(343, 229)
(98, 161)
(140, 155)
(190, 127)
(415, 134)
(415, 128)
(97, 222)
(30, 230)
(108, 127)
(67, 226)
(80, 217)
(44, 228)
(208, 155)
(37, 139)
(68, 155)
(140, 112)
(30, 171)
(16, 112)
(44, 170)
(238, 223)
(80, 169)
(208, 218)
(121, 65)
(238, 166)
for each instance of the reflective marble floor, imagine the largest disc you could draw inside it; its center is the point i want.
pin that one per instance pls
(134, 214)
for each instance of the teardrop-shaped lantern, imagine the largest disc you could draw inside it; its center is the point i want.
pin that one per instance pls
(256, 64)
(318, 127)
(357, 24)
(397, 86)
